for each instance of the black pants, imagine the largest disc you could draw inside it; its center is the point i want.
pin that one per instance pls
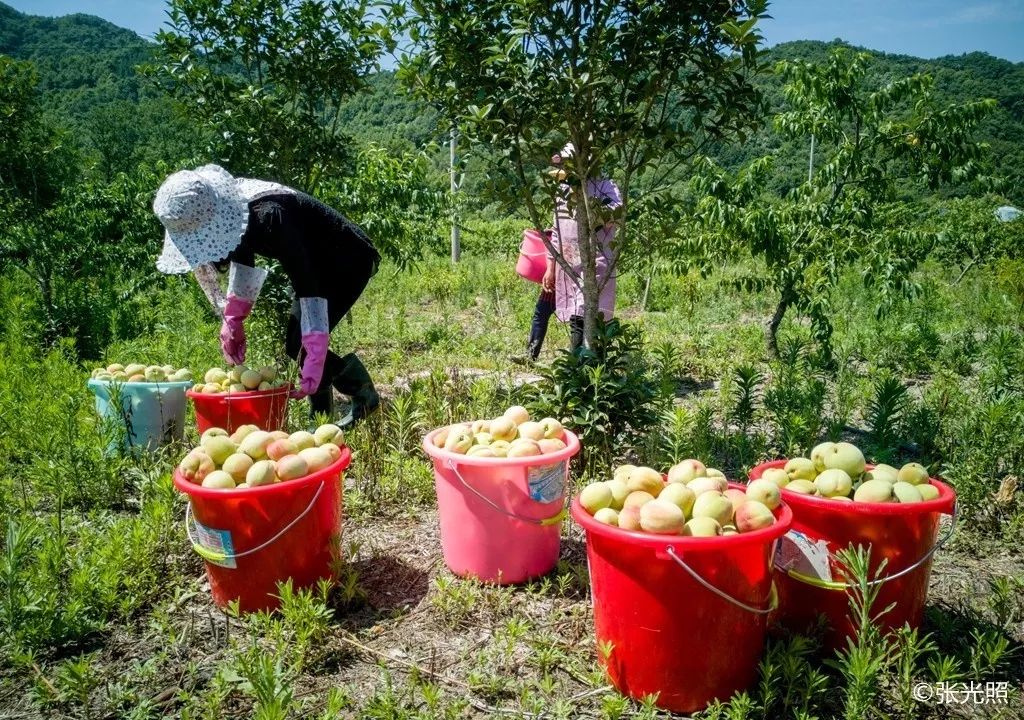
(539, 328)
(336, 369)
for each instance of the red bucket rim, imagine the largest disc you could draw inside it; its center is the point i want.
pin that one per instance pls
(273, 392)
(944, 503)
(572, 446)
(783, 520)
(190, 488)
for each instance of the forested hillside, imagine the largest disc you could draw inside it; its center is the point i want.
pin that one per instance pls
(87, 77)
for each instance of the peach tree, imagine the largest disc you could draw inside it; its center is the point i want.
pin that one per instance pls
(873, 143)
(639, 88)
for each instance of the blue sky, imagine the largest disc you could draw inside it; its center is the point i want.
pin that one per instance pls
(926, 28)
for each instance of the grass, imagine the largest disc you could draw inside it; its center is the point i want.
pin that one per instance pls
(105, 612)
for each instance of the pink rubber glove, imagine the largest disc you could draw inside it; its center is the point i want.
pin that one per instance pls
(315, 345)
(232, 330)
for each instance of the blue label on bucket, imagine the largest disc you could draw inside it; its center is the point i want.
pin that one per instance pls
(547, 482)
(217, 542)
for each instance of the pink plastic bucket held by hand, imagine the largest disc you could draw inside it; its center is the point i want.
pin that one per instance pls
(501, 517)
(533, 257)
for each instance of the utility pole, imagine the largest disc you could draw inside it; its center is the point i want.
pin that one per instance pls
(810, 164)
(456, 242)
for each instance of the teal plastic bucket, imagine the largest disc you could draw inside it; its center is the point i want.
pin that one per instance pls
(150, 414)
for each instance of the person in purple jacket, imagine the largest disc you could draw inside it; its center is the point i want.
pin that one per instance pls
(560, 294)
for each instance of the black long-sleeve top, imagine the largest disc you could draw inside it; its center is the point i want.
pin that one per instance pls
(320, 250)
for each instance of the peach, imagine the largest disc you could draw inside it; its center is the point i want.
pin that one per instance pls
(607, 516)
(705, 484)
(680, 496)
(645, 479)
(662, 517)
(622, 472)
(531, 430)
(550, 445)
(765, 492)
(753, 515)
(481, 451)
(875, 491)
(255, 444)
(713, 472)
(237, 465)
(517, 414)
(213, 432)
(906, 493)
(333, 450)
(686, 471)
(279, 448)
(818, 454)
(636, 499)
(459, 440)
(268, 374)
(800, 468)
(482, 438)
(596, 496)
(913, 474)
(303, 439)
(196, 466)
(480, 426)
(291, 467)
(219, 480)
(713, 505)
(928, 491)
(702, 527)
(736, 497)
(242, 433)
(503, 428)
(219, 447)
(846, 457)
(780, 477)
(251, 379)
(552, 428)
(262, 472)
(316, 458)
(629, 517)
(329, 433)
(833, 482)
(523, 448)
(619, 492)
(803, 487)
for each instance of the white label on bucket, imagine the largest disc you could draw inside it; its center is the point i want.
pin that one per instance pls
(547, 482)
(798, 552)
(217, 541)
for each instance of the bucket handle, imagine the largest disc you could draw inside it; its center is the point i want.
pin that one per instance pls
(541, 522)
(836, 585)
(773, 600)
(214, 556)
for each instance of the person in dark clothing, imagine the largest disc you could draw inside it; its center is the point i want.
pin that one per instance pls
(216, 222)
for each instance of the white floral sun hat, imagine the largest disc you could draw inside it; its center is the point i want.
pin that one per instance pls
(205, 215)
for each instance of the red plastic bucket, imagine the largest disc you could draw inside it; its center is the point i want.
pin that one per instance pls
(684, 618)
(533, 256)
(501, 518)
(266, 409)
(904, 534)
(253, 538)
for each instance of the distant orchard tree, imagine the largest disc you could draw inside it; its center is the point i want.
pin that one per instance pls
(635, 86)
(268, 78)
(872, 143)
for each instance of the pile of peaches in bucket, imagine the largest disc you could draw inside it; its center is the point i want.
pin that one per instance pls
(512, 435)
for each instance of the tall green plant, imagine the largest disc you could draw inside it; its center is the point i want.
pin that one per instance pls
(629, 84)
(870, 143)
(268, 78)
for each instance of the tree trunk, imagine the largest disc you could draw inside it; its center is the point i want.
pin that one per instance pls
(772, 329)
(586, 237)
